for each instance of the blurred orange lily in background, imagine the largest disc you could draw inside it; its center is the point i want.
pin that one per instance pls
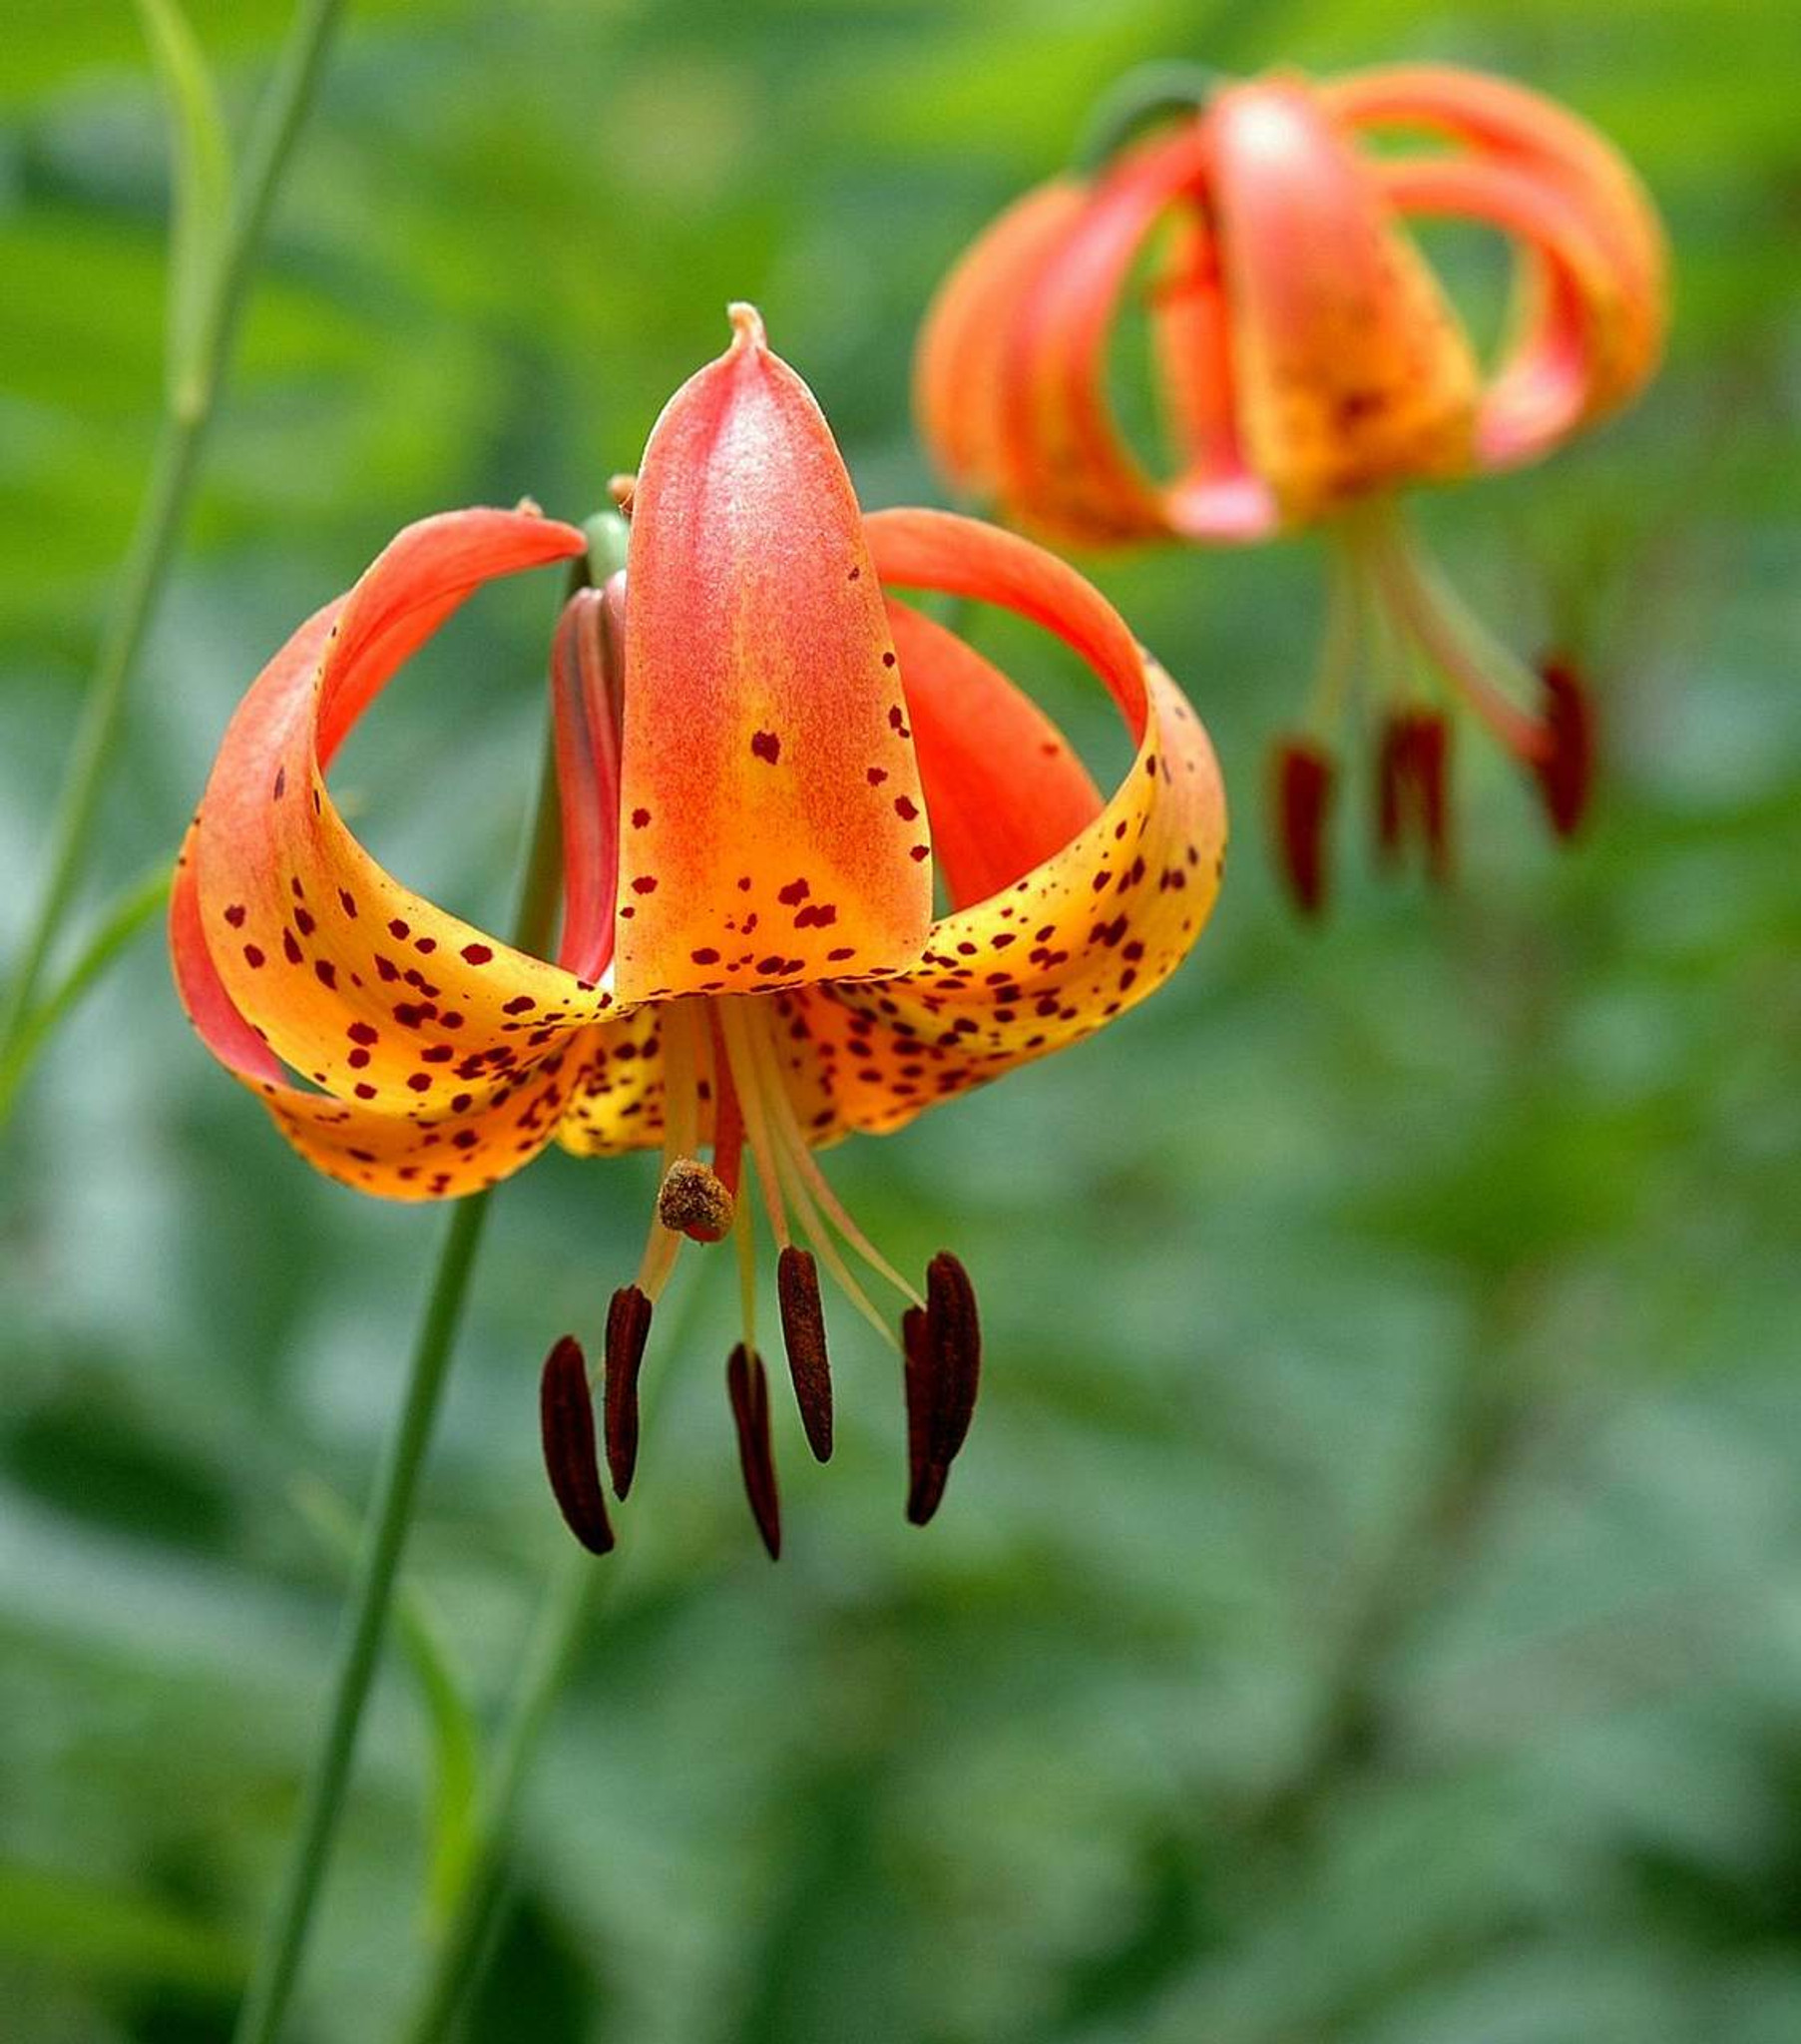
(762, 756)
(1308, 364)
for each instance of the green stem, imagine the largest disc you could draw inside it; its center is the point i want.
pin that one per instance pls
(278, 1959)
(122, 921)
(166, 500)
(563, 1624)
(372, 1590)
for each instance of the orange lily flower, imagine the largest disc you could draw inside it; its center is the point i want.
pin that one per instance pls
(1308, 364)
(763, 755)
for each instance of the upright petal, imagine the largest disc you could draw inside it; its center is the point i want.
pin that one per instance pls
(766, 745)
(1352, 369)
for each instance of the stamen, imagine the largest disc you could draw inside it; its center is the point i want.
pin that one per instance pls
(1427, 608)
(740, 1056)
(943, 1348)
(747, 1386)
(695, 1201)
(566, 1419)
(803, 1335)
(792, 1142)
(1412, 780)
(627, 1330)
(1565, 773)
(1430, 747)
(1302, 776)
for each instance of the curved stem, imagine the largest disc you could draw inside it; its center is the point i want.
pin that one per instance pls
(166, 500)
(372, 1590)
(122, 922)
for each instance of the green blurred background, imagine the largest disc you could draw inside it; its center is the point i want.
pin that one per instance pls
(1369, 1608)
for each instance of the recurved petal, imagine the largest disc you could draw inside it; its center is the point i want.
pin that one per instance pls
(960, 369)
(1085, 933)
(476, 1137)
(616, 1104)
(765, 734)
(1592, 289)
(1572, 324)
(1065, 466)
(1509, 123)
(1214, 495)
(1353, 371)
(352, 980)
(1004, 789)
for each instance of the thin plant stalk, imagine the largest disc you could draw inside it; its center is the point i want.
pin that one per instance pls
(137, 906)
(145, 570)
(576, 1592)
(278, 1961)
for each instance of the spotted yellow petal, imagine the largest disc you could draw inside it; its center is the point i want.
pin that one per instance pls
(353, 980)
(1085, 933)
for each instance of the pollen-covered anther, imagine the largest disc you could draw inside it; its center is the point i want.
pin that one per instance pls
(1566, 768)
(747, 1386)
(694, 1201)
(565, 1417)
(1302, 777)
(803, 1336)
(941, 1346)
(621, 489)
(627, 1330)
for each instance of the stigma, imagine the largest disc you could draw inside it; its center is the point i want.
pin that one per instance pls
(734, 1143)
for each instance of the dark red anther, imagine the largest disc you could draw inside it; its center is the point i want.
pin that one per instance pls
(943, 1350)
(1301, 791)
(747, 1385)
(1429, 764)
(803, 1335)
(1391, 783)
(566, 1414)
(1565, 771)
(627, 1330)
(1413, 761)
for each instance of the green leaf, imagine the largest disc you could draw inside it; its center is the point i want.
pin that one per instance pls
(201, 191)
(455, 1736)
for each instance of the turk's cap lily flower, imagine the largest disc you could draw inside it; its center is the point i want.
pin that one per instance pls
(766, 756)
(1306, 359)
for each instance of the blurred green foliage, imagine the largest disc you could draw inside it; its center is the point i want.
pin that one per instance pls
(1369, 1609)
